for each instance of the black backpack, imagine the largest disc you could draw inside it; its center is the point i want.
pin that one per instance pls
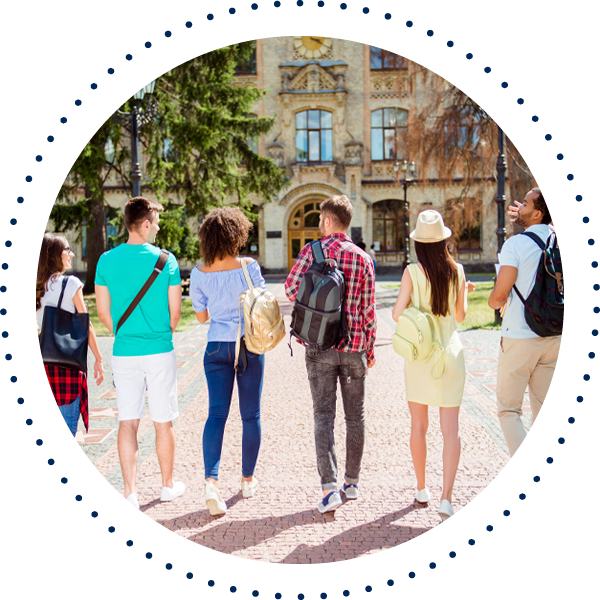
(318, 317)
(544, 307)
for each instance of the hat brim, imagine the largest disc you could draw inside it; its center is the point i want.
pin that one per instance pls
(447, 234)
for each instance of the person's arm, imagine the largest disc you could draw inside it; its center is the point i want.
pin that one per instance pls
(103, 306)
(27, 329)
(174, 305)
(203, 316)
(461, 306)
(403, 295)
(507, 277)
(369, 314)
(292, 283)
(92, 341)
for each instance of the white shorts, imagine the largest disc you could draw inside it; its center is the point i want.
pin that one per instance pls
(157, 373)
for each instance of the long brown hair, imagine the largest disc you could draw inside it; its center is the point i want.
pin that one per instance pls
(50, 265)
(441, 272)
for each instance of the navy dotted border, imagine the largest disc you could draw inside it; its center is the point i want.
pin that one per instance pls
(387, 17)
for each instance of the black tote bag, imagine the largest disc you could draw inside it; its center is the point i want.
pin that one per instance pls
(64, 336)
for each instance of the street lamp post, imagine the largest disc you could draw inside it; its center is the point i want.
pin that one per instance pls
(408, 178)
(500, 199)
(134, 121)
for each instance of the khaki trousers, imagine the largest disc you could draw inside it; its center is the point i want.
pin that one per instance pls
(523, 362)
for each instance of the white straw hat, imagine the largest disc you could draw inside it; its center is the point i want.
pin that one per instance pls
(430, 228)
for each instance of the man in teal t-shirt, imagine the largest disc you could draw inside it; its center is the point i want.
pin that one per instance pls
(143, 353)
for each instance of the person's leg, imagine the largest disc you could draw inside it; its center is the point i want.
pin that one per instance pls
(250, 384)
(514, 371)
(353, 373)
(127, 445)
(322, 372)
(419, 423)
(161, 377)
(540, 379)
(220, 374)
(451, 452)
(67, 419)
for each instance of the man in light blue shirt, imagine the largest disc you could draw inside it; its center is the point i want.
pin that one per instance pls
(526, 359)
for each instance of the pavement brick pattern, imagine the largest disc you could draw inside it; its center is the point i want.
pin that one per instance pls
(281, 523)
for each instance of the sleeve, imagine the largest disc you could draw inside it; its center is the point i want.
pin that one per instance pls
(368, 309)
(256, 274)
(509, 255)
(292, 283)
(199, 299)
(100, 280)
(173, 270)
(74, 284)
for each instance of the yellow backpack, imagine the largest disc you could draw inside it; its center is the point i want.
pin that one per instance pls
(417, 334)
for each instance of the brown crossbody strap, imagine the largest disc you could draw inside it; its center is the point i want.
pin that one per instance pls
(158, 268)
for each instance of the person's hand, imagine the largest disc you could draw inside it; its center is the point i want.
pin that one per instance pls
(370, 363)
(513, 210)
(98, 371)
(470, 287)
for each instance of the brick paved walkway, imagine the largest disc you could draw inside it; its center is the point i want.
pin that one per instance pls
(281, 523)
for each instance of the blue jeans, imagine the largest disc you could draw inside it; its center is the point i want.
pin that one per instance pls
(62, 423)
(219, 359)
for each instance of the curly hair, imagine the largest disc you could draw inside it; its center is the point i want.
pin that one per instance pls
(339, 210)
(223, 232)
(50, 265)
(540, 204)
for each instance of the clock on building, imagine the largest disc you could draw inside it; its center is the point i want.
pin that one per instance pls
(312, 46)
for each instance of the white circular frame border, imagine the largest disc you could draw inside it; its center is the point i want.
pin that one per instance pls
(394, 570)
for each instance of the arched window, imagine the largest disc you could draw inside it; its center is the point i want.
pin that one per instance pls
(388, 132)
(537, 47)
(382, 60)
(314, 136)
(388, 220)
(462, 128)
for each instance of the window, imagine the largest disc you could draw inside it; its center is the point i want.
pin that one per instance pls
(247, 66)
(540, 49)
(388, 130)
(314, 136)
(464, 216)
(251, 247)
(388, 226)
(462, 128)
(388, 52)
(597, 126)
(111, 232)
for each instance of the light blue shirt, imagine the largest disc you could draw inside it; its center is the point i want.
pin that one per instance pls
(523, 253)
(219, 292)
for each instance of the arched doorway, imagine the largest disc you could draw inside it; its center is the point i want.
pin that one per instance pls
(303, 227)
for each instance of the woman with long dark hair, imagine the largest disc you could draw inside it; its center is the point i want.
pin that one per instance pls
(69, 386)
(442, 292)
(215, 287)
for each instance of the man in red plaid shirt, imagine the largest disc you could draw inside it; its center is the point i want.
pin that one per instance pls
(349, 362)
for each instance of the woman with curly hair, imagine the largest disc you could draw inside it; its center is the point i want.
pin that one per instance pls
(69, 386)
(215, 287)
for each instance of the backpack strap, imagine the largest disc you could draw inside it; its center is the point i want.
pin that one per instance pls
(238, 340)
(62, 290)
(246, 274)
(317, 251)
(158, 268)
(538, 240)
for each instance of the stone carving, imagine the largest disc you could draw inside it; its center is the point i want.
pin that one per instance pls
(353, 153)
(311, 78)
(389, 85)
(276, 154)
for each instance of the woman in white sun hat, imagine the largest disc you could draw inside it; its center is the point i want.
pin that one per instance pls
(442, 293)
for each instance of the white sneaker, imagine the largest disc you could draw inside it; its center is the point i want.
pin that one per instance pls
(249, 487)
(167, 494)
(128, 506)
(43, 509)
(423, 496)
(445, 511)
(216, 504)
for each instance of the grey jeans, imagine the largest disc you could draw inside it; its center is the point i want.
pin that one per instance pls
(324, 369)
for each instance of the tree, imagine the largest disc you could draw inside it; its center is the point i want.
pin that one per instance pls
(197, 156)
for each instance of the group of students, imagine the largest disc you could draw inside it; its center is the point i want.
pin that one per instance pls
(144, 357)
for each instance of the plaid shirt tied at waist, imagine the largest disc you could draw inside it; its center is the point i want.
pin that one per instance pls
(357, 267)
(67, 385)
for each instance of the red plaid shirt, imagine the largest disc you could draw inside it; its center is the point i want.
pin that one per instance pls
(67, 385)
(357, 267)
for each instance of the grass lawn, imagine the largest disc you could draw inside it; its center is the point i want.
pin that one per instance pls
(479, 315)
(188, 316)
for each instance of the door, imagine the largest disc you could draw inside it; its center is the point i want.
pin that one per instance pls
(297, 240)
(303, 228)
